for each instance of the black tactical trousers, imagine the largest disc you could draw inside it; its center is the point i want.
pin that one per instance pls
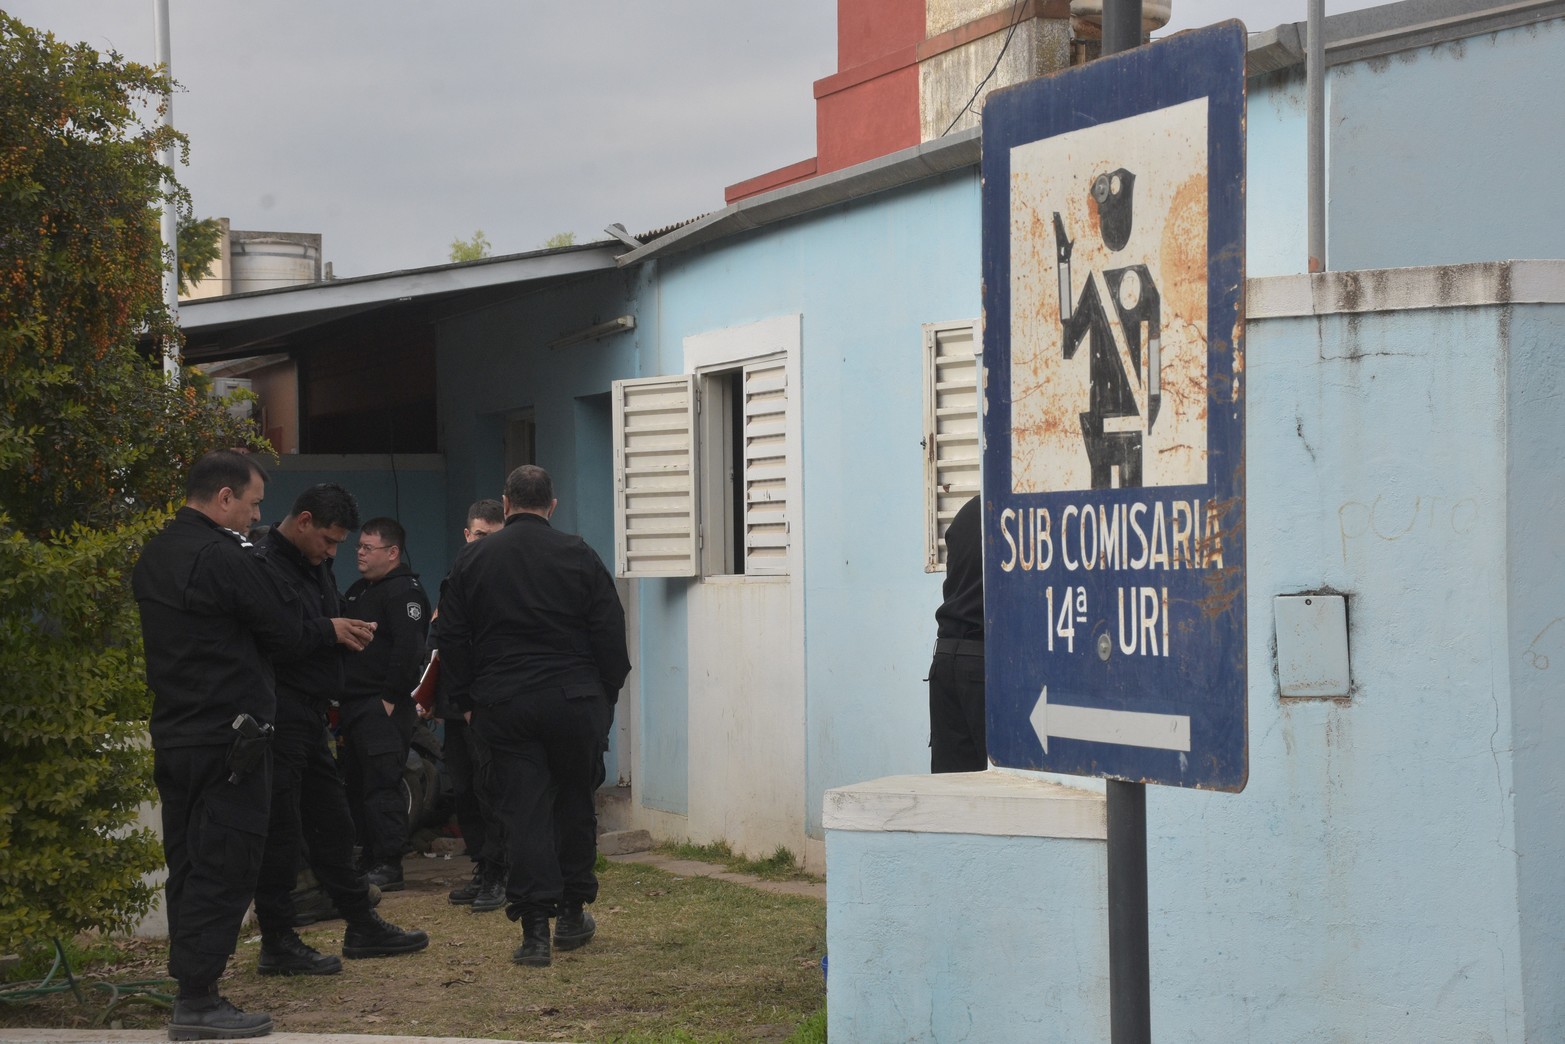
(957, 731)
(375, 751)
(213, 833)
(470, 765)
(547, 748)
(309, 813)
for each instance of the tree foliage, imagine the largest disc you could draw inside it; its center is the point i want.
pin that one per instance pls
(200, 243)
(470, 249)
(560, 239)
(93, 447)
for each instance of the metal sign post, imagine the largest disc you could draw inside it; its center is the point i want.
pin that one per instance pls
(1114, 564)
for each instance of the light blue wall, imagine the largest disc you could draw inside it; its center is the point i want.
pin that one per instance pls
(1276, 183)
(1435, 155)
(1449, 154)
(1390, 873)
(414, 494)
(496, 361)
(953, 938)
(864, 277)
(1363, 887)
(1535, 510)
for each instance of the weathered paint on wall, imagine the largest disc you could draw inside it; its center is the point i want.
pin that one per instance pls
(414, 493)
(869, 623)
(1535, 648)
(1390, 872)
(1448, 154)
(1365, 879)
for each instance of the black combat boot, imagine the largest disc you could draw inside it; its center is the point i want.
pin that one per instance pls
(574, 927)
(287, 954)
(213, 1018)
(465, 895)
(372, 936)
(491, 891)
(387, 877)
(534, 951)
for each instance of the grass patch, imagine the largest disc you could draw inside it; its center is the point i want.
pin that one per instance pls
(781, 865)
(86, 953)
(685, 960)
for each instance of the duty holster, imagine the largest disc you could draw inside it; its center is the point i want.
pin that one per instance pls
(249, 746)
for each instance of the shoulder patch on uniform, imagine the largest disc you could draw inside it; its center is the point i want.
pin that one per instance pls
(415, 611)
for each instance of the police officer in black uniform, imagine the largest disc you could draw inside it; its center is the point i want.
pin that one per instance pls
(309, 802)
(376, 708)
(468, 761)
(532, 630)
(957, 735)
(211, 620)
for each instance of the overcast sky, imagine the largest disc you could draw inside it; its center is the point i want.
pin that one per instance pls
(393, 127)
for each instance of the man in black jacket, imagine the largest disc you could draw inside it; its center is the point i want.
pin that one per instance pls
(468, 763)
(376, 708)
(532, 631)
(211, 621)
(957, 732)
(309, 802)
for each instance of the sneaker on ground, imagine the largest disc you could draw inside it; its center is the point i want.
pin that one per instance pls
(375, 937)
(220, 1021)
(290, 955)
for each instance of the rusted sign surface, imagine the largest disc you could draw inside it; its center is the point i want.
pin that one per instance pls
(1113, 249)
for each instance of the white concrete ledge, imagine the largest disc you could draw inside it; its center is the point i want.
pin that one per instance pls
(984, 803)
(1481, 284)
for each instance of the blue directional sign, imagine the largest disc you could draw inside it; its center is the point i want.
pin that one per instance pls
(1113, 488)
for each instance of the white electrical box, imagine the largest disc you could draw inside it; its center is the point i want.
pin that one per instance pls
(1312, 646)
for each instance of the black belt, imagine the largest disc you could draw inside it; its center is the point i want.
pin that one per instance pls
(960, 646)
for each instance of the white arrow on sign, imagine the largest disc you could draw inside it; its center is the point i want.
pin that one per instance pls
(1101, 725)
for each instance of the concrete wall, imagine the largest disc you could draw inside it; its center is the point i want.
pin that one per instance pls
(864, 278)
(1390, 872)
(408, 487)
(1435, 155)
(497, 362)
(966, 907)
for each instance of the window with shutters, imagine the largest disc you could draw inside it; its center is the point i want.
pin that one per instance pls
(951, 430)
(705, 473)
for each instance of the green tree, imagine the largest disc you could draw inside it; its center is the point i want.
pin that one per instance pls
(93, 447)
(200, 244)
(470, 249)
(560, 239)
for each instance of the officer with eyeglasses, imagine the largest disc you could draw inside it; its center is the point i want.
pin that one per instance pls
(377, 712)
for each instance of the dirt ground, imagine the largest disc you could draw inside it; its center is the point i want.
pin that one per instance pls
(676, 958)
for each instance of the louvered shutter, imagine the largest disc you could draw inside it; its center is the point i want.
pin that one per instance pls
(655, 477)
(951, 430)
(767, 507)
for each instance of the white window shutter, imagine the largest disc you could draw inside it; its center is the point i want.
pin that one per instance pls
(951, 430)
(655, 523)
(768, 511)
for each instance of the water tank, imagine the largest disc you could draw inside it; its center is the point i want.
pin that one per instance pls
(1154, 13)
(265, 263)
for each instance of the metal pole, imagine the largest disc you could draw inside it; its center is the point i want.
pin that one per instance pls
(1121, 25)
(1315, 117)
(170, 222)
(1130, 974)
(1130, 981)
